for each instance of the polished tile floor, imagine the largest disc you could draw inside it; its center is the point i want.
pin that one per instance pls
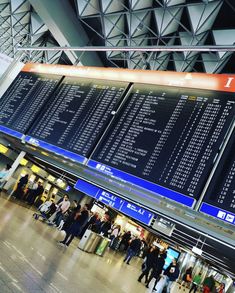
(32, 261)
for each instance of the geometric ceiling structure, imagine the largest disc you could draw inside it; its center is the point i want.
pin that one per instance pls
(120, 23)
(20, 25)
(161, 22)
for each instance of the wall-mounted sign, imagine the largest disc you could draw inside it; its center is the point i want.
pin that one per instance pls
(164, 226)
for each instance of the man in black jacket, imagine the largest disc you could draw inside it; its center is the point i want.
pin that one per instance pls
(171, 274)
(132, 250)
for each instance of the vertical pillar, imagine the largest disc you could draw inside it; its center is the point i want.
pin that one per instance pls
(15, 164)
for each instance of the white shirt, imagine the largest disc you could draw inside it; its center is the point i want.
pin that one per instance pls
(64, 206)
(35, 186)
(115, 232)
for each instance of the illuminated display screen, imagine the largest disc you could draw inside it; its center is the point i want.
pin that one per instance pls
(171, 254)
(166, 139)
(220, 196)
(77, 115)
(23, 100)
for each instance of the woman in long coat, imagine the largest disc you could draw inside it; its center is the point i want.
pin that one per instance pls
(74, 230)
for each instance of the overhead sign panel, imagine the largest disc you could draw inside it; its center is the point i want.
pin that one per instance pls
(130, 209)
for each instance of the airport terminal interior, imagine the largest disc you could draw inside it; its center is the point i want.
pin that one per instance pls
(117, 146)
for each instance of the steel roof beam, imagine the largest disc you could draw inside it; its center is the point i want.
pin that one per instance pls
(62, 22)
(212, 48)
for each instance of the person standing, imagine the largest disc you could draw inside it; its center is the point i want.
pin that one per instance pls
(208, 284)
(18, 193)
(69, 220)
(114, 234)
(132, 250)
(157, 269)
(32, 192)
(62, 208)
(80, 220)
(3, 174)
(125, 241)
(187, 277)
(196, 282)
(150, 262)
(221, 288)
(105, 226)
(171, 274)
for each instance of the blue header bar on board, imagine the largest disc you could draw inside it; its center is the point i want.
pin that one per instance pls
(54, 149)
(218, 213)
(11, 132)
(156, 189)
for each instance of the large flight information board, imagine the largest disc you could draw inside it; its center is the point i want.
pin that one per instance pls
(77, 116)
(24, 99)
(168, 137)
(220, 195)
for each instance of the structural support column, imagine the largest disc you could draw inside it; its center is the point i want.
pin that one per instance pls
(65, 27)
(16, 164)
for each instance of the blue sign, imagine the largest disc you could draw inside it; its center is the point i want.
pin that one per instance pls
(87, 188)
(218, 213)
(68, 188)
(115, 202)
(110, 199)
(137, 212)
(11, 132)
(156, 189)
(55, 149)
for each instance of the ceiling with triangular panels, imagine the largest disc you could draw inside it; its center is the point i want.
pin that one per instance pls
(162, 22)
(20, 25)
(121, 23)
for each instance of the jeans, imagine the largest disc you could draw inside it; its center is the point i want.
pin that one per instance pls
(58, 218)
(164, 282)
(129, 254)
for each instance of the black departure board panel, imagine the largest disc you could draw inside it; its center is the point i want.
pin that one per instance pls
(25, 98)
(77, 115)
(221, 191)
(167, 136)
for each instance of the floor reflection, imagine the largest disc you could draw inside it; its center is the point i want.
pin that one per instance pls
(32, 261)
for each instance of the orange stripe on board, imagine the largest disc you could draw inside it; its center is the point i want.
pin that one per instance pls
(217, 82)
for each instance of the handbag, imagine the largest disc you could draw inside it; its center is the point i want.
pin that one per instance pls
(188, 278)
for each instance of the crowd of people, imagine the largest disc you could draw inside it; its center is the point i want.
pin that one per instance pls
(29, 191)
(75, 219)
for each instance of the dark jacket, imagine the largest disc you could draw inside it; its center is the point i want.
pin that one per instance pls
(105, 227)
(22, 182)
(39, 191)
(159, 265)
(135, 245)
(172, 272)
(209, 282)
(78, 223)
(152, 258)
